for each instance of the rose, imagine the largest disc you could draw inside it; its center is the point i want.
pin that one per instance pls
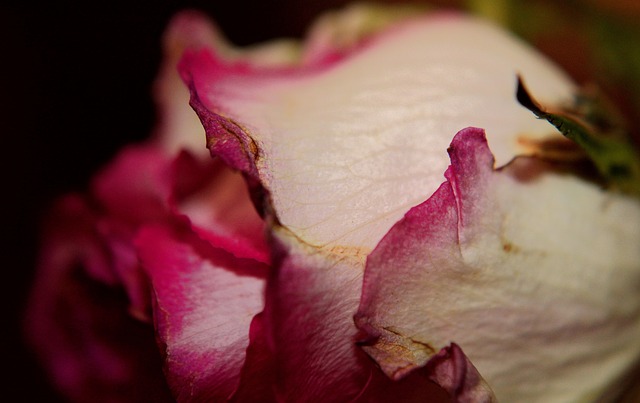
(342, 144)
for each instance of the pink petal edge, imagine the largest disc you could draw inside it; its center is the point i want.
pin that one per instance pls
(434, 222)
(204, 301)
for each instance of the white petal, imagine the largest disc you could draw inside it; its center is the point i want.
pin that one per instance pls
(535, 274)
(346, 150)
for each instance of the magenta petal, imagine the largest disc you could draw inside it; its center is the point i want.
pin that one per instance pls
(308, 322)
(308, 317)
(78, 321)
(258, 377)
(205, 299)
(225, 138)
(137, 185)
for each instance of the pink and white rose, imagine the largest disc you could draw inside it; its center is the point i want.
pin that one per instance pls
(332, 250)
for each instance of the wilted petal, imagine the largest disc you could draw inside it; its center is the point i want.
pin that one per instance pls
(78, 318)
(91, 249)
(204, 301)
(258, 376)
(526, 263)
(136, 185)
(335, 35)
(308, 321)
(308, 317)
(221, 211)
(143, 185)
(178, 128)
(337, 149)
(327, 140)
(452, 370)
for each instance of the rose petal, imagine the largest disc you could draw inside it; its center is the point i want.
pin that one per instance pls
(258, 376)
(140, 187)
(308, 312)
(136, 185)
(204, 301)
(309, 326)
(335, 35)
(346, 149)
(524, 263)
(77, 319)
(178, 128)
(221, 211)
(452, 370)
(144, 185)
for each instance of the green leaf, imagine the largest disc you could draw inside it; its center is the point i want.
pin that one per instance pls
(595, 128)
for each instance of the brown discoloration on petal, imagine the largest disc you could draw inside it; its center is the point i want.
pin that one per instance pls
(509, 247)
(396, 354)
(251, 147)
(554, 148)
(355, 256)
(231, 127)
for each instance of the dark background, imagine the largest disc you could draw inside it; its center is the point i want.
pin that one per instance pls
(75, 81)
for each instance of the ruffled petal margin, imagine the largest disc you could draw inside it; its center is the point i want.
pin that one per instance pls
(496, 260)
